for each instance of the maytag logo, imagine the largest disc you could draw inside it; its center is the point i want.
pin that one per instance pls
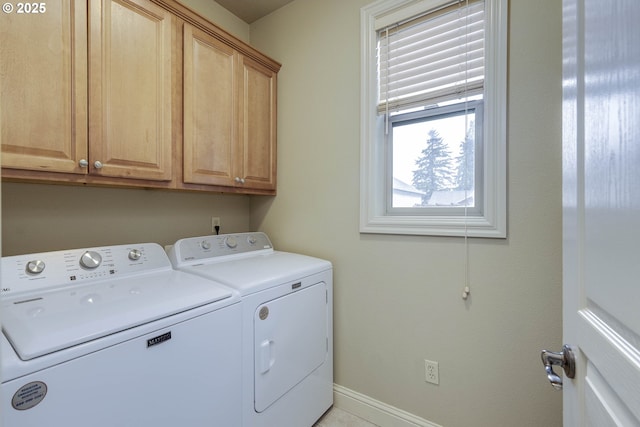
(159, 339)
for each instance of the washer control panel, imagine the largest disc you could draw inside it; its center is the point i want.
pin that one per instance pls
(193, 249)
(49, 270)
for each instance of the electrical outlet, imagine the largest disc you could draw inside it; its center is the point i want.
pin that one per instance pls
(215, 222)
(431, 374)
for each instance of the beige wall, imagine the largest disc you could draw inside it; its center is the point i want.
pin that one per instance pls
(397, 298)
(39, 218)
(220, 16)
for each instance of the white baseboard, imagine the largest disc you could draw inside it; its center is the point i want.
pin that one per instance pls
(375, 411)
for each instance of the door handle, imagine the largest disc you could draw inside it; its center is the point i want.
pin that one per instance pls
(266, 358)
(565, 359)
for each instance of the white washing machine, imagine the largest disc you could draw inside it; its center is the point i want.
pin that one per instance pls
(114, 336)
(287, 323)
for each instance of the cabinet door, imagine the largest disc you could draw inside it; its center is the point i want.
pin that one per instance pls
(209, 109)
(43, 82)
(130, 89)
(257, 126)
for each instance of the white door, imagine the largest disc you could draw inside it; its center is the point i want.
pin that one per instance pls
(601, 198)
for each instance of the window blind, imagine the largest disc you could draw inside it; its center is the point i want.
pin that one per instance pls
(432, 58)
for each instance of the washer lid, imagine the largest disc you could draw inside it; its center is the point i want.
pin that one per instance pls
(43, 323)
(259, 272)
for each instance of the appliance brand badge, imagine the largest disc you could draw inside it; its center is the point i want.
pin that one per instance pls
(29, 395)
(159, 339)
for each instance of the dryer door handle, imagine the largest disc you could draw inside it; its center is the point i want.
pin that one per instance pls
(266, 356)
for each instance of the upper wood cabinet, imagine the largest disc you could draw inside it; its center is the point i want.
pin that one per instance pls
(135, 93)
(229, 115)
(130, 89)
(43, 86)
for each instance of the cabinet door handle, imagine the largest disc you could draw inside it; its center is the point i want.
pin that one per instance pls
(239, 180)
(97, 164)
(83, 163)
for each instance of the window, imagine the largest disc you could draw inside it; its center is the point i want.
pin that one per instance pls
(433, 134)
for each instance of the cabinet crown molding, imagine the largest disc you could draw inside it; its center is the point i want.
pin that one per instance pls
(193, 18)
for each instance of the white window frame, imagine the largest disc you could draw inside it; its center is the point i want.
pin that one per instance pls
(374, 216)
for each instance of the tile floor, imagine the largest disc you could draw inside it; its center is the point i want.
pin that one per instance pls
(336, 417)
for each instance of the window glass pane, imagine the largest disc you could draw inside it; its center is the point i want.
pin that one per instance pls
(433, 161)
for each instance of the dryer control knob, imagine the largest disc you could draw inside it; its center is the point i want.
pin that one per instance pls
(35, 267)
(231, 242)
(90, 259)
(206, 245)
(135, 254)
(252, 240)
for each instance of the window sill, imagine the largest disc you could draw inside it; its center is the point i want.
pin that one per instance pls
(433, 226)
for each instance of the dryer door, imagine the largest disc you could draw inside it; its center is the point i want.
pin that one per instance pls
(291, 339)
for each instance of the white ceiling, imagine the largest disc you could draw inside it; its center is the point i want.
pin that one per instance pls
(251, 10)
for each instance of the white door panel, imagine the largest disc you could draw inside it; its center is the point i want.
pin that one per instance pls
(601, 205)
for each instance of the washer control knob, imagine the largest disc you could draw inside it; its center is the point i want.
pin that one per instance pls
(205, 244)
(35, 267)
(90, 259)
(231, 242)
(252, 240)
(135, 254)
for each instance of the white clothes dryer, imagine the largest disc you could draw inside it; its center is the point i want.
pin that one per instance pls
(287, 323)
(114, 336)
